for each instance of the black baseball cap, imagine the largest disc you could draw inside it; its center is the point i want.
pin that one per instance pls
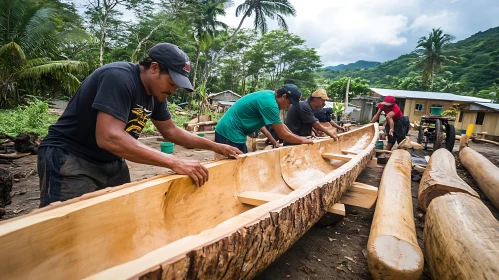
(176, 61)
(293, 93)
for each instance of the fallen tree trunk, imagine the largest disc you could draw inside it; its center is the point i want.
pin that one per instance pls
(484, 172)
(461, 239)
(439, 178)
(476, 140)
(392, 249)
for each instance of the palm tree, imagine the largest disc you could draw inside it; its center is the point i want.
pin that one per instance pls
(432, 53)
(206, 26)
(30, 35)
(261, 9)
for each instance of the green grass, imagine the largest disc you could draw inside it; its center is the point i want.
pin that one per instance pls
(33, 117)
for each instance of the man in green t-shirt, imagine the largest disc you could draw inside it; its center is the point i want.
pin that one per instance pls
(252, 112)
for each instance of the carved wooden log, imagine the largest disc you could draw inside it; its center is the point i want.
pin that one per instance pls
(168, 228)
(461, 239)
(5, 189)
(484, 172)
(392, 250)
(439, 178)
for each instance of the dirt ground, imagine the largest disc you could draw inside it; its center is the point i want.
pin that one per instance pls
(332, 252)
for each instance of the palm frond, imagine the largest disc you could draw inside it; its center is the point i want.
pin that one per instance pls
(53, 68)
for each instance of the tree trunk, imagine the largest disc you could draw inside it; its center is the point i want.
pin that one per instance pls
(198, 52)
(134, 57)
(56, 89)
(484, 172)
(392, 249)
(461, 239)
(440, 178)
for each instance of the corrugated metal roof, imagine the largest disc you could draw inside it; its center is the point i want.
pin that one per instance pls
(428, 95)
(226, 103)
(225, 91)
(490, 105)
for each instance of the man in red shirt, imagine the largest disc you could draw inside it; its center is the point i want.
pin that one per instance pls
(397, 124)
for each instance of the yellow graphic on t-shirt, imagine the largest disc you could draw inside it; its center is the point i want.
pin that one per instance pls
(139, 118)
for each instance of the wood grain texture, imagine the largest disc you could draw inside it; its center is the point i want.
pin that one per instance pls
(167, 228)
(392, 249)
(484, 172)
(461, 239)
(439, 178)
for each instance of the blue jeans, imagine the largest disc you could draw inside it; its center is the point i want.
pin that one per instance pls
(64, 176)
(222, 140)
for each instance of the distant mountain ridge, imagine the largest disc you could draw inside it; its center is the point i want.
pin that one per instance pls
(478, 67)
(358, 64)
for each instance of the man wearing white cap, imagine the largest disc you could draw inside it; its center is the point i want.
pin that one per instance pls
(301, 119)
(86, 149)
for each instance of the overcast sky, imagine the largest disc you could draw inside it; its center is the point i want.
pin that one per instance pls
(345, 31)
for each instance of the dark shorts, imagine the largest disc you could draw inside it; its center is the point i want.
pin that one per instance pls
(222, 140)
(400, 130)
(64, 176)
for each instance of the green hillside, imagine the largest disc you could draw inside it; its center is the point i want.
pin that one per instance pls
(355, 65)
(477, 70)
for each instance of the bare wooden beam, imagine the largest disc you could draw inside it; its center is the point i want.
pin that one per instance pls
(461, 238)
(373, 162)
(336, 156)
(258, 198)
(383, 151)
(338, 209)
(360, 195)
(439, 178)
(346, 152)
(484, 172)
(392, 249)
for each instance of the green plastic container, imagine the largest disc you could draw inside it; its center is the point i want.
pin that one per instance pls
(201, 134)
(436, 110)
(379, 145)
(167, 147)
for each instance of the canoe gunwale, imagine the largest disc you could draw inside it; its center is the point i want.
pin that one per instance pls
(258, 219)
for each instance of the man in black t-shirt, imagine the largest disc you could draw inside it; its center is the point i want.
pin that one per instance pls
(325, 117)
(301, 120)
(86, 149)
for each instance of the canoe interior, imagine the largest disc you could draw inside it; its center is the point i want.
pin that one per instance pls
(86, 236)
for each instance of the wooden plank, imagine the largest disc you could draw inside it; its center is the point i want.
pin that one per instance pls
(419, 168)
(258, 198)
(383, 151)
(373, 162)
(484, 172)
(255, 198)
(360, 195)
(476, 140)
(338, 209)
(336, 156)
(349, 152)
(14, 156)
(461, 239)
(440, 178)
(392, 249)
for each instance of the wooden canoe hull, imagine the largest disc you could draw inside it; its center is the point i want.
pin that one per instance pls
(154, 229)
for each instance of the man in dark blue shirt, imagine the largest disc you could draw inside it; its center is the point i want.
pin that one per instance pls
(86, 149)
(301, 120)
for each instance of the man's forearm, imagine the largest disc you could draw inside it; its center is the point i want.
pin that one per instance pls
(391, 124)
(319, 127)
(269, 136)
(335, 125)
(125, 146)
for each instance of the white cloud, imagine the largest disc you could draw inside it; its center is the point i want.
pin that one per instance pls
(445, 20)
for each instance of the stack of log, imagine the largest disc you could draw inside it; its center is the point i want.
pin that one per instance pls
(21, 145)
(461, 236)
(392, 250)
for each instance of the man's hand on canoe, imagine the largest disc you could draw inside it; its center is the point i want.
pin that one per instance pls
(228, 151)
(195, 170)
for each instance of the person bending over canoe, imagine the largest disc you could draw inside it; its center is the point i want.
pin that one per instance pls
(85, 150)
(325, 118)
(397, 124)
(301, 119)
(255, 110)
